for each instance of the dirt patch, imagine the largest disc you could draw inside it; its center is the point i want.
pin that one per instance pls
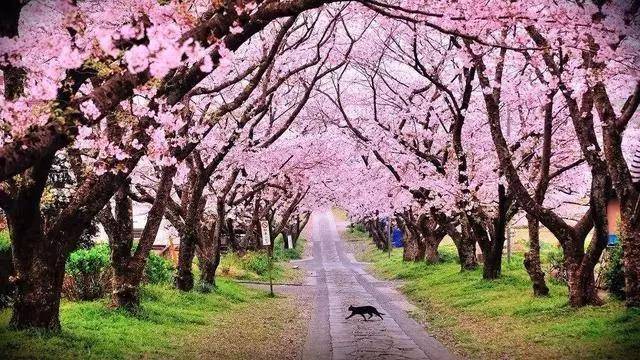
(272, 328)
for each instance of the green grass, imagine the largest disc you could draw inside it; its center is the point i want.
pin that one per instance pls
(254, 265)
(5, 242)
(501, 318)
(90, 330)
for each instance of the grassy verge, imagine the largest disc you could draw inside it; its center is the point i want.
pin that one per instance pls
(254, 265)
(91, 330)
(171, 325)
(501, 319)
(272, 329)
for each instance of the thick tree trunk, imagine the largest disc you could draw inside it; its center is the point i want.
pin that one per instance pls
(631, 254)
(466, 246)
(126, 293)
(431, 250)
(582, 289)
(208, 267)
(208, 261)
(492, 267)
(39, 267)
(414, 247)
(184, 276)
(532, 259)
(467, 254)
(38, 261)
(38, 290)
(377, 231)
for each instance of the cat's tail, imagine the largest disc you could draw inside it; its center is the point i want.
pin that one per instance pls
(382, 313)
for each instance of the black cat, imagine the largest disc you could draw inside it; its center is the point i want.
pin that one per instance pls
(361, 310)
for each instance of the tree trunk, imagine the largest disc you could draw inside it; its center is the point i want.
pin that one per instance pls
(492, 266)
(414, 247)
(184, 276)
(582, 289)
(38, 290)
(126, 294)
(432, 239)
(208, 261)
(376, 229)
(208, 266)
(38, 261)
(466, 246)
(532, 259)
(431, 253)
(231, 233)
(631, 253)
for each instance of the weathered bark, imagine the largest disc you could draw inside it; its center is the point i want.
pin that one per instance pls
(631, 244)
(532, 259)
(491, 236)
(377, 230)
(465, 245)
(431, 255)
(38, 288)
(39, 262)
(128, 266)
(432, 234)
(39, 271)
(184, 276)
(209, 248)
(414, 247)
(126, 291)
(628, 194)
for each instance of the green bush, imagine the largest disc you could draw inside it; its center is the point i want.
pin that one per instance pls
(158, 270)
(555, 259)
(6, 269)
(88, 261)
(87, 273)
(5, 242)
(613, 272)
(256, 262)
(282, 254)
(357, 227)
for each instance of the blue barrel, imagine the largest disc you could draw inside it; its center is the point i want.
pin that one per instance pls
(613, 240)
(397, 238)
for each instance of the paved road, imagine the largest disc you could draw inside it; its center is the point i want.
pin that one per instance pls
(340, 281)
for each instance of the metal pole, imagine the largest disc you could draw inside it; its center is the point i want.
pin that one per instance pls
(271, 270)
(508, 230)
(389, 237)
(508, 227)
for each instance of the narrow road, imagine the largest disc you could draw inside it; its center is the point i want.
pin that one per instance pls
(339, 282)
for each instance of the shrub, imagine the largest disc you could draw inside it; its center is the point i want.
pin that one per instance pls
(613, 272)
(555, 259)
(6, 269)
(357, 227)
(257, 262)
(87, 273)
(282, 254)
(158, 270)
(5, 242)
